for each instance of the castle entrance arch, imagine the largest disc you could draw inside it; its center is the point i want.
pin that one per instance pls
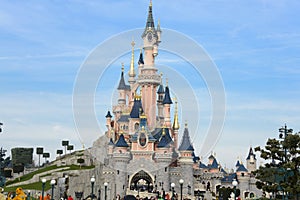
(141, 182)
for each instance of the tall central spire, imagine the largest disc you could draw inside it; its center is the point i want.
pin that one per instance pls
(150, 22)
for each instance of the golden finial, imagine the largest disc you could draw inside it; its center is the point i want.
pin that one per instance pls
(185, 124)
(163, 131)
(176, 123)
(131, 71)
(150, 3)
(167, 82)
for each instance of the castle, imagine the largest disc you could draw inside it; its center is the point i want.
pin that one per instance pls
(141, 153)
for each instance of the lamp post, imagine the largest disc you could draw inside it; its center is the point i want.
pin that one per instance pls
(173, 186)
(283, 133)
(99, 194)
(43, 187)
(234, 183)
(92, 184)
(28, 195)
(105, 190)
(52, 183)
(181, 186)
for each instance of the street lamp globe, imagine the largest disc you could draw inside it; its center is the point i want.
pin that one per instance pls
(44, 180)
(172, 185)
(234, 183)
(181, 181)
(93, 179)
(105, 184)
(52, 182)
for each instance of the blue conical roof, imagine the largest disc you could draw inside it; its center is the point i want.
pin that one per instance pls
(241, 168)
(141, 59)
(165, 139)
(122, 85)
(160, 89)
(136, 108)
(108, 115)
(121, 142)
(237, 163)
(251, 154)
(185, 142)
(167, 97)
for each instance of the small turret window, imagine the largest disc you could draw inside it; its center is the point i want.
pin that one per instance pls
(136, 126)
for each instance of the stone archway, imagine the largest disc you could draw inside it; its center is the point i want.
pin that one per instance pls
(141, 181)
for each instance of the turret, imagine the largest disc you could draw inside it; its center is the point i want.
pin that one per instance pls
(121, 157)
(167, 107)
(108, 122)
(251, 161)
(160, 94)
(186, 162)
(122, 88)
(186, 148)
(111, 146)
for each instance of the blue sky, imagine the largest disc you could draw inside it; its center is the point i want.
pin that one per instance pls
(254, 44)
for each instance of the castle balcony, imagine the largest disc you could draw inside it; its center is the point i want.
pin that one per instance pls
(149, 78)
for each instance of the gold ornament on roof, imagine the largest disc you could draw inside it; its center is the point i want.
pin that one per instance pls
(131, 71)
(176, 121)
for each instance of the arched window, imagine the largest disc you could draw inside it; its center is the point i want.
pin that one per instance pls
(136, 126)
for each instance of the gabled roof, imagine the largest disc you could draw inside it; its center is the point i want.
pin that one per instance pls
(211, 157)
(185, 142)
(122, 85)
(214, 164)
(167, 97)
(121, 142)
(136, 108)
(165, 139)
(108, 115)
(241, 168)
(223, 171)
(251, 154)
(124, 118)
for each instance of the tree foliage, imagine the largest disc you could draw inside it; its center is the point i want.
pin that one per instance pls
(281, 171)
